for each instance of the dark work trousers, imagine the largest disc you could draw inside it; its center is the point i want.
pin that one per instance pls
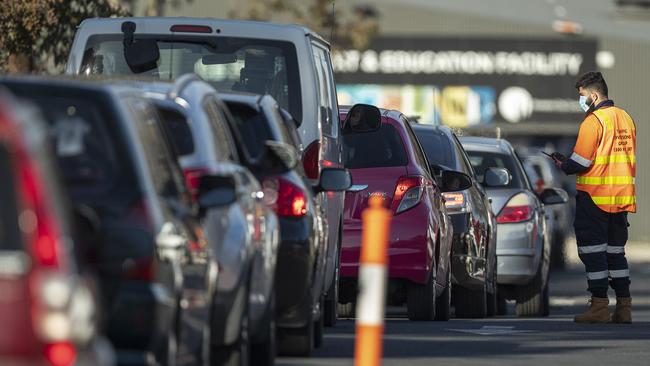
(601, 238)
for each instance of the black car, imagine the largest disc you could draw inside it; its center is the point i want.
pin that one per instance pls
(113, 156)
(299, 280)
(474, 259)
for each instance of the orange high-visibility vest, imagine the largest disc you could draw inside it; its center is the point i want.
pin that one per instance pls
(612, 165)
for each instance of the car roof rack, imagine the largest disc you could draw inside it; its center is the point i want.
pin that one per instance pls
(181, 82)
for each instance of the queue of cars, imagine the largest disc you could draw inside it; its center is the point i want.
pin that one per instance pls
(203, 216)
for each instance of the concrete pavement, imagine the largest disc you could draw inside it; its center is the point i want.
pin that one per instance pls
(509, 340)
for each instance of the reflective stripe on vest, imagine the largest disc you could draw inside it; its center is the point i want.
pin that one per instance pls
(610, 178)
(605, 180)
(614, 159)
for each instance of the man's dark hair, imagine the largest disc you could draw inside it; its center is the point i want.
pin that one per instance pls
(593, 80)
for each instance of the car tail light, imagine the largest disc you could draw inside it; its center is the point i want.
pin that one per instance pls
(193, 179)
(286, 198)
(456, 202)
(311, 160)
(408, 193)
(519, 208)
(189, 28)
(60, 354)
(142, 269)
(38, 218)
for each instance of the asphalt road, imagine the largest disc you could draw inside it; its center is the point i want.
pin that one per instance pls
(507, 340)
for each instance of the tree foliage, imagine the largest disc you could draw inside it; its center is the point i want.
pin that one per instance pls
(346, 27)
(34, 33)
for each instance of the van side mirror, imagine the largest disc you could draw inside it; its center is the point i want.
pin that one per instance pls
(452, 181)
(554, 196)
(333, 180)
(361, 118)
(141, 55)
(497, 177)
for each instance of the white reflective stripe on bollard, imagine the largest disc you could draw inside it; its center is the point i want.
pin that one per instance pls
(371, 301)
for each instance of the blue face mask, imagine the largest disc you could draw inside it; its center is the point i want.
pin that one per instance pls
(583, 103)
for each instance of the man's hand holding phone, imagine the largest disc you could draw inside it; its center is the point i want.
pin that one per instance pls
(557, 157)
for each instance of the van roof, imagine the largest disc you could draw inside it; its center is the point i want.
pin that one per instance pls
(262, 28)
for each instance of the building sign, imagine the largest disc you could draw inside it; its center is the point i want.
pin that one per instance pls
(463, 82)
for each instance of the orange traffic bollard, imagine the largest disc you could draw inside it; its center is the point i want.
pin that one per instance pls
(373, 272)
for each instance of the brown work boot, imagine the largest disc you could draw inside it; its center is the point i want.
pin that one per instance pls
(598, 312)
(623, 313)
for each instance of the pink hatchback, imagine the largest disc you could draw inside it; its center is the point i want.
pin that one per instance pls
(390, 163)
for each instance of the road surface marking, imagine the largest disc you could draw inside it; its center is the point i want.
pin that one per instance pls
(492, 330)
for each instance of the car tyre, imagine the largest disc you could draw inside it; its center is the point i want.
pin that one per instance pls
(319, 328)
(530, 297)
(237, 354)
(331, 301)
(421, 299)
(264, 352)
(470, 303)
(297, 342)
(493, 298)
(346, 310)
(502, 306)
(443, 302)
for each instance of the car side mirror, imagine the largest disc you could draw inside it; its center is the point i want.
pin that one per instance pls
(455, 181)
(554, 196)
(361, 118)
(333, 180)
(496, 177)
(216, 191)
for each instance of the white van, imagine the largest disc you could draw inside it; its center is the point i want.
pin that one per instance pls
(289, 62)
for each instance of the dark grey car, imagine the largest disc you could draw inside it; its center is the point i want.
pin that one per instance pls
(523, 240)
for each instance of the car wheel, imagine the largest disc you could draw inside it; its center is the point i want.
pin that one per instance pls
(421, 299)
(237, 354)
(502, 306)
(530, 297)
(297, 342)
(264, 352)
(331, 301)
(346, 310)
(470, 303)
(492, 299)
(319, 328)
(443, 302)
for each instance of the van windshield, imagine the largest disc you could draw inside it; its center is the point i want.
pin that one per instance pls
(230, 64)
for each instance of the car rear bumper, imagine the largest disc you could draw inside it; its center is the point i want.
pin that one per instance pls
(410, 250)
(518, 257)
(294, 272)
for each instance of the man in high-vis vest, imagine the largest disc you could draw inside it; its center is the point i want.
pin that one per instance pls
(604, 163)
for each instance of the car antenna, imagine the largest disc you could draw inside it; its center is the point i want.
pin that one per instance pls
(332, 24)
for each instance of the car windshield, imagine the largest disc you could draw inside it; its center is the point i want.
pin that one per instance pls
(437, 148)
(381, 148)
(228, 63)
(482, 160)
(10, 237)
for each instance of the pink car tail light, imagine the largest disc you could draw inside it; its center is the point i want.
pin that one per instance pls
(408, 193)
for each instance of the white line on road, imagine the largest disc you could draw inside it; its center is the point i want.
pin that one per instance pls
(492, 330)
